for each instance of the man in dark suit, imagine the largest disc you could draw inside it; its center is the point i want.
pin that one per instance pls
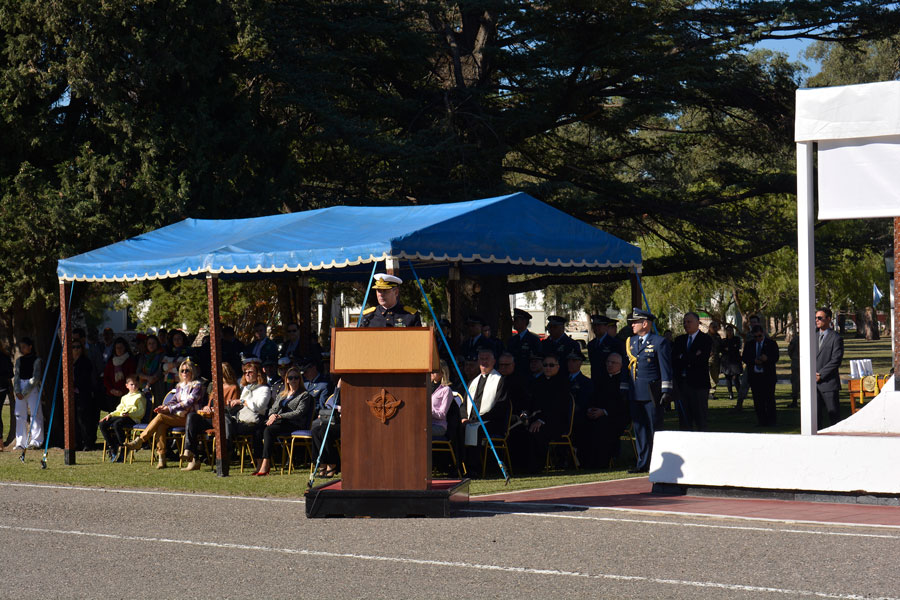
(760, 355)
(690, 361)
(650, 367)
(602, 346)
(522, 343)
(829, 354)
(601, 422)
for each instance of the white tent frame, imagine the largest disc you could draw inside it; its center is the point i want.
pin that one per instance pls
(847, 117)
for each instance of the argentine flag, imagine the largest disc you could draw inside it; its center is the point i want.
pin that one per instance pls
(876, 295)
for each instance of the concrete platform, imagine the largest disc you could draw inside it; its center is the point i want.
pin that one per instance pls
(855, 458)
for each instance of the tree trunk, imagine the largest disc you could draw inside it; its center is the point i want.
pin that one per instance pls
(842, 323)
(871, 324)
(285, 305)
(487, 297)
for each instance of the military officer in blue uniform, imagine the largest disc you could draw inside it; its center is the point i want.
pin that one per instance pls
(522, 344)
(389, 312)
(650, 367)
(602, 346)
(557, 343)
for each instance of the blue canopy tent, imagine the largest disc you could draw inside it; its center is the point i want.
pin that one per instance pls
(514, 234)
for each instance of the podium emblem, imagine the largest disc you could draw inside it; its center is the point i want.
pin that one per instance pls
(384, 405)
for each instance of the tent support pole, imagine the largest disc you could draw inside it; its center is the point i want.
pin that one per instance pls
(215, 352)
(806, 262)
(454, 281)
(304, 310)
(65, 329)
(895, 306)
(636, 296)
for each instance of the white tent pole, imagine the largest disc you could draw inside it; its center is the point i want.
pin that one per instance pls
(806, 260)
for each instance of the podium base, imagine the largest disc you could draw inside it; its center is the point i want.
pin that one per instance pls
(330, 500)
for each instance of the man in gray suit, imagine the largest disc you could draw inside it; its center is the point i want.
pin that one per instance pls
(829, 354)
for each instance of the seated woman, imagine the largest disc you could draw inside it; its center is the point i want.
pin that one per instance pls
(129, 411)
(202, 419)
(149, 370)
(174, 410)
(246, 414)
(119, 366)
(441, 398)
(290, 412)
(175, 353)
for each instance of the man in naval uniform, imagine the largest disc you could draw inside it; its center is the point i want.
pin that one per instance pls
(602, 346)
(557, 342)
(389, 312)
(523, 343)
(650, 367)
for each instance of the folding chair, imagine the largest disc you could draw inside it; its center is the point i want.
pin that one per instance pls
(500, 443)
(565, 439)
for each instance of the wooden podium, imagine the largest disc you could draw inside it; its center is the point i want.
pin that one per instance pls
(385, 408)
(385, 427)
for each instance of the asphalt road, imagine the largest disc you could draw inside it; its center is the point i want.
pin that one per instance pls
(88, 543)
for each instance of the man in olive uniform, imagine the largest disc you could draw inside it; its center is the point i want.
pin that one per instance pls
(557, 343)
(650, 367)
(602, 346)
(522, 344)
(389, 312)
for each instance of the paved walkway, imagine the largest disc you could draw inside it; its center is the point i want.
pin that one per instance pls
(635, 494)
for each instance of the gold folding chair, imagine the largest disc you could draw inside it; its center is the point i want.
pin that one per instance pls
(565, 440)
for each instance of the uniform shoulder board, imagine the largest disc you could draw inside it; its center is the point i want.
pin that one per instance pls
(411, 311)
(369, 310)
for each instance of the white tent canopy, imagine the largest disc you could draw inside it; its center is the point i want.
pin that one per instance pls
(857, 130)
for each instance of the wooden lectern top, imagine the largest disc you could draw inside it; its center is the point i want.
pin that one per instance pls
(383, 350)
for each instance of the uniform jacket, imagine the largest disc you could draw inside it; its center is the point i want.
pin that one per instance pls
(651, 367)
(692, 365)
(560, 348)
(599, 350)
(396, 316)
(582, 389)
(522, 347)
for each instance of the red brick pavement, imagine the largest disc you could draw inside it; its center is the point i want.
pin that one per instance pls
(635, 494)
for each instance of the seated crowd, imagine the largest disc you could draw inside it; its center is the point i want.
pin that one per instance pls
(528, 391)
(532, 392)
(164, 382)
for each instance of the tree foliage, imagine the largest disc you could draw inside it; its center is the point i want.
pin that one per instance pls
(649, 119)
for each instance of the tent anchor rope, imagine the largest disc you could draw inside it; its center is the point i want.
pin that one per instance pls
(487, 435)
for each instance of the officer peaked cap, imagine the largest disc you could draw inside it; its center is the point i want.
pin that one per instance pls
(383, 281)
(638, 314)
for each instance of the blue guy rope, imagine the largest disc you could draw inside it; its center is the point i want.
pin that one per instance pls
(337, 393)
(461, 378)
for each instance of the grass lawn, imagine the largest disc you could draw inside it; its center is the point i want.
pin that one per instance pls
(92, 471)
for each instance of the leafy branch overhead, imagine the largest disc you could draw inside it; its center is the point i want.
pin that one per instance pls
(650, 120)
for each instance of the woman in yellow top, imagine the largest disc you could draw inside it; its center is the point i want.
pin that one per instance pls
(129, 411)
